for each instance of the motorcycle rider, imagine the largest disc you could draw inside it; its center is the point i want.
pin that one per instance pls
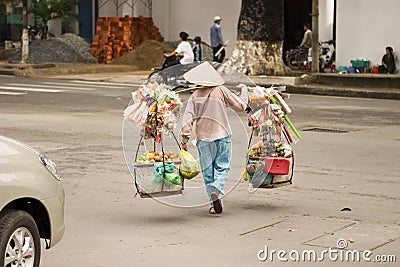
(183, 50)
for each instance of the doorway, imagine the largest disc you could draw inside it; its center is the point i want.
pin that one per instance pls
(297, 12)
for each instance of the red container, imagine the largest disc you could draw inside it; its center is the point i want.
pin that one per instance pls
(375, 69)
(277, 165)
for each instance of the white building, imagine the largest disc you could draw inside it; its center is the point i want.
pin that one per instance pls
(365, 28)
(362, 28)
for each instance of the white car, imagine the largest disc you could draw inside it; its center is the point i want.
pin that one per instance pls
(31, 204)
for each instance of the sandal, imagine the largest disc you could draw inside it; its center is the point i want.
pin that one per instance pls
(216, 203)
(212, 211)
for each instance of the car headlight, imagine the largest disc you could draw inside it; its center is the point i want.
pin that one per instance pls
(50, 166)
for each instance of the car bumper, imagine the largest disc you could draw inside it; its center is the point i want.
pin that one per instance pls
(55, 208)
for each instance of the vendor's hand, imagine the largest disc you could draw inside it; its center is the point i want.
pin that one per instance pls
(184, 147)
(243, 89)
(225, 44)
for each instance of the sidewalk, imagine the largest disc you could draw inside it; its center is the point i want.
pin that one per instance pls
(332, 84)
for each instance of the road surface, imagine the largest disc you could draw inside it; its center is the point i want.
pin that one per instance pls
(355, 166)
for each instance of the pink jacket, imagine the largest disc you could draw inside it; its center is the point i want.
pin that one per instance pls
(207, 108)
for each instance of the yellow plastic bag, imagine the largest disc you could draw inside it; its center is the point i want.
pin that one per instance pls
(244, 173)
(189, 168)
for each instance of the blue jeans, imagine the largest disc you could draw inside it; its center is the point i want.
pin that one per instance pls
(215, 162)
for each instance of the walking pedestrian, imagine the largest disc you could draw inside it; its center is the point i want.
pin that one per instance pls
(197, 49)
(207, 110)
(217, 41)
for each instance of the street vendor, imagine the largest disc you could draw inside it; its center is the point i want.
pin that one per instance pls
(207, 110)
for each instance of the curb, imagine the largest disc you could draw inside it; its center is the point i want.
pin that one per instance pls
(10, 72)
(343, 92)
(310, 89)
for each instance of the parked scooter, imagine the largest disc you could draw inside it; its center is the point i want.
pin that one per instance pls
(327, 55)
(35, 33)
(298, 57)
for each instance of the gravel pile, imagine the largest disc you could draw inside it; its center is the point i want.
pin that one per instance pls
(69, 48)
(150, 53)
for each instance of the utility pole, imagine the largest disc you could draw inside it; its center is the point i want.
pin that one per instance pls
(315, 36)
(25, 38)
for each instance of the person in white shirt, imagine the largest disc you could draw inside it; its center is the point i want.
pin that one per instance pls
(183, 50)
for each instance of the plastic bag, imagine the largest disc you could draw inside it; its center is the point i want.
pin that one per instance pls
(260, 177)
(169, 176)
(189, 168)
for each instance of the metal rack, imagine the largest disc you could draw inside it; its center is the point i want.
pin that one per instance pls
(146, 171)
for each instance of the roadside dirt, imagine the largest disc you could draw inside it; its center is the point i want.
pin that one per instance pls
(146, 56)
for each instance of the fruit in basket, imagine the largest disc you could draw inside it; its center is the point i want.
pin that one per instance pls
(253, 154)
(255, 151)
(284, 150)
(152, 157)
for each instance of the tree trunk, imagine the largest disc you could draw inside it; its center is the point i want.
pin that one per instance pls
(259, 45)
(24, 37)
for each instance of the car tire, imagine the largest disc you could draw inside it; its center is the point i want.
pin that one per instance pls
(21, 222)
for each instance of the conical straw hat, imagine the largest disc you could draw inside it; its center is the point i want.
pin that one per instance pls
(204, 75)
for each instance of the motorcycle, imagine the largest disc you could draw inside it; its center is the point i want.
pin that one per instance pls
(298, 57)
(35, 33)
(327, 56)
(168, 62)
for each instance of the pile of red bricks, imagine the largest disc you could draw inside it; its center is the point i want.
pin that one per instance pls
(116, 36)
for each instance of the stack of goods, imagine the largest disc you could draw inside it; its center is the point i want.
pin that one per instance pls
(155, 109)
(270, 160)
(116, 36)
(153, 157)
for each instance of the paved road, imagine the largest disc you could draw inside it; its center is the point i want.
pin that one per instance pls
(106, 226)
(12, 85)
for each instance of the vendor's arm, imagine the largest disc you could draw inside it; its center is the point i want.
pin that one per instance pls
(394, 56)
(187, 122)
(244, 93)
(237, 103)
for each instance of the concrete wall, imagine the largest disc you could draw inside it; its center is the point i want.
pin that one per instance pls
(365, 28)
(196, 18)
(132, 8)
(326, 10)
